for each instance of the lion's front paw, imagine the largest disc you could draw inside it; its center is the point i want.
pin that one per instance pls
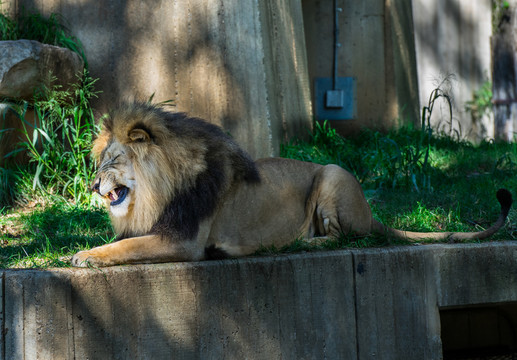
(85, 259)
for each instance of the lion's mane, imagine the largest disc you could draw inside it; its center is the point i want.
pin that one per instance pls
(182, 168)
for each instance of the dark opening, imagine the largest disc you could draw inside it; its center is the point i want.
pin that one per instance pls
(484, 332)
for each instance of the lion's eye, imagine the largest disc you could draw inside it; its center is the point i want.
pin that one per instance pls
(114, 160)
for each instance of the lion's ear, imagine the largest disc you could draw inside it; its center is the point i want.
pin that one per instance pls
(139, 135)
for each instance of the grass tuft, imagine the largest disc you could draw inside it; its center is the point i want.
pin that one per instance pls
(58, 144)
(48, 237)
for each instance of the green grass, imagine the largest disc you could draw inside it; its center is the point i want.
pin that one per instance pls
(47, 212)
(449, 188)
(44, 237)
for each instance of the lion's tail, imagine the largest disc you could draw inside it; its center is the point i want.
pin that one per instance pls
(503, 196)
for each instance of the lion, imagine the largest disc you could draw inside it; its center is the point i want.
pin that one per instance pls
(179, 189)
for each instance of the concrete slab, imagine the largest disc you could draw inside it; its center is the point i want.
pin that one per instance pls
(265, 308)
(394, 303)
(347, 304)
(37, 315)
(476, 273)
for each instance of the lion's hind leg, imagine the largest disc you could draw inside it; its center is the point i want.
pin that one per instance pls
(337, 204)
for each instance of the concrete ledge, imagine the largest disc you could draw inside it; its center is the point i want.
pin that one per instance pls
(348, 304)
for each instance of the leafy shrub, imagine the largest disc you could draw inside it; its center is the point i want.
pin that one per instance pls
(59, 142)
(398, 158)
(325, 146)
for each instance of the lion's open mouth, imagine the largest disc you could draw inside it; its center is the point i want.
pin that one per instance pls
(117, 195)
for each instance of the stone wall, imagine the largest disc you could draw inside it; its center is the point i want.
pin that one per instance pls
(350, 304)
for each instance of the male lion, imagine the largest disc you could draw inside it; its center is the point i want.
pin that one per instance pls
(179, 189)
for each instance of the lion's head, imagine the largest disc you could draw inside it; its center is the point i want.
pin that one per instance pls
(162, 171)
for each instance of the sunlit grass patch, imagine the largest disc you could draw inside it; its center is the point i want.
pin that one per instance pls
(44, 237)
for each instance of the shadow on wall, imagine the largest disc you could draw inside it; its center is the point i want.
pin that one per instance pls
(57, 315)
(227, 62)
(453, 37)
(138, 49)
(336, 305)
(209, 310)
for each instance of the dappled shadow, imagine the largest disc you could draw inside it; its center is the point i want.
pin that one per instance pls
(82, 314)
(329, 305)
(40, 237)
(233, 64)
(448, 42)
(261, 308)
(215, 66)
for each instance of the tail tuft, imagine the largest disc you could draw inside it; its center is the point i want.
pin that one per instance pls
(505, 199)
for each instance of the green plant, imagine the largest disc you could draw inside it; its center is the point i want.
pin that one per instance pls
(34, 26)
(391, 160)
(8, 28)
(325, 146)
(398, 158)
(481, 104)
(59, 140)
(8, 191)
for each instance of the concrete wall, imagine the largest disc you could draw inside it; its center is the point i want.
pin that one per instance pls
(453, 37)
(377, 49)
(399, 52)
(239, 64)
(349, 304)
(250, 66)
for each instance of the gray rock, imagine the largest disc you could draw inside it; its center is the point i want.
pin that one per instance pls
(26, 64)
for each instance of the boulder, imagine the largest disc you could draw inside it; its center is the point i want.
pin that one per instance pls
(26, 65)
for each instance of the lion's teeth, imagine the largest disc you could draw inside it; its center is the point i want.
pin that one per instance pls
(114, 195)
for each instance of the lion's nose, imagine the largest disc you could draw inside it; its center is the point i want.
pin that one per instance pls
(96, 185)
